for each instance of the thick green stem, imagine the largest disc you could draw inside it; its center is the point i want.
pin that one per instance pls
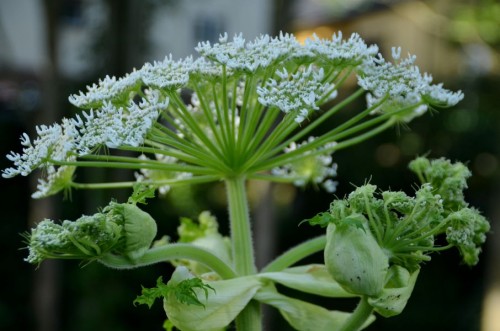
(243, 254)
(171, 252)
(241, 233)
(359, 316)
(297, 253)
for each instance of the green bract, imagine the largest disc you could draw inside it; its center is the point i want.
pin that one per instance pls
(397, 290)
(219, 308)
(139, 228)
(305, 316)
(354, 258)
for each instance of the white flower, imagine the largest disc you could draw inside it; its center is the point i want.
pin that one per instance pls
(263, 52)
(108, 89)
(114, 126)
(340, 52)
(56, 142)
(203, 69)
(403, 84)
(167, 74)
(298, 92)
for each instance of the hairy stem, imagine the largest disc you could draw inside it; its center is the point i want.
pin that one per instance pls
(358, 317)
(296, 254)
(171, 252)
(243, 254)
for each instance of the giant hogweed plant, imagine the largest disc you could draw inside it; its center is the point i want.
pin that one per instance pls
(246, 111)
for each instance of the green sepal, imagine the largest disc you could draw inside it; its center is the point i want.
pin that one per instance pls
(396, 293)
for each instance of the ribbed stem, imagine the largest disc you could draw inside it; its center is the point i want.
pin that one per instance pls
(243, 253)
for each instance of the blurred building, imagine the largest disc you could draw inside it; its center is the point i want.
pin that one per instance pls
(154, 28)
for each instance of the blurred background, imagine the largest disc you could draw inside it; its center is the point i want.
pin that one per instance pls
(50, 49)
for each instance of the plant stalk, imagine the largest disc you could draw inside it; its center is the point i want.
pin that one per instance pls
(359, 316)
(242, 248)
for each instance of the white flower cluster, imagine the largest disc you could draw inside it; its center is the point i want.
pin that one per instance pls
(114, 126)
(298, 92)
(56, 142)
(56, 179)
(109, 88)
(109, 126)
(263, 52)
(277, 72)
(339, 52)
(403, 84)
(317, 169)
(167, 74)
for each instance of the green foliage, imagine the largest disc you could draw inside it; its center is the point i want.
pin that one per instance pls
(141, 193)
(190, 230)
(184, 292)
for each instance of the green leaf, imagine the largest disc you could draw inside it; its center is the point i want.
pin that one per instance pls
(149, 295)
(354, 258)
(184, 292)
(141, 193)
(322, 219)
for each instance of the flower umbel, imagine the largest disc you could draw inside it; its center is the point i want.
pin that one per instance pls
(250, 101)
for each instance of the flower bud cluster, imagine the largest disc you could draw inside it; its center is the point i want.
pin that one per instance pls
(370, 233)
(122, 229)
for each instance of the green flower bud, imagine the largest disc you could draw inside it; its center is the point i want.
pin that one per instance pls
(119, 228)
(354, 258)
(139, 228)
